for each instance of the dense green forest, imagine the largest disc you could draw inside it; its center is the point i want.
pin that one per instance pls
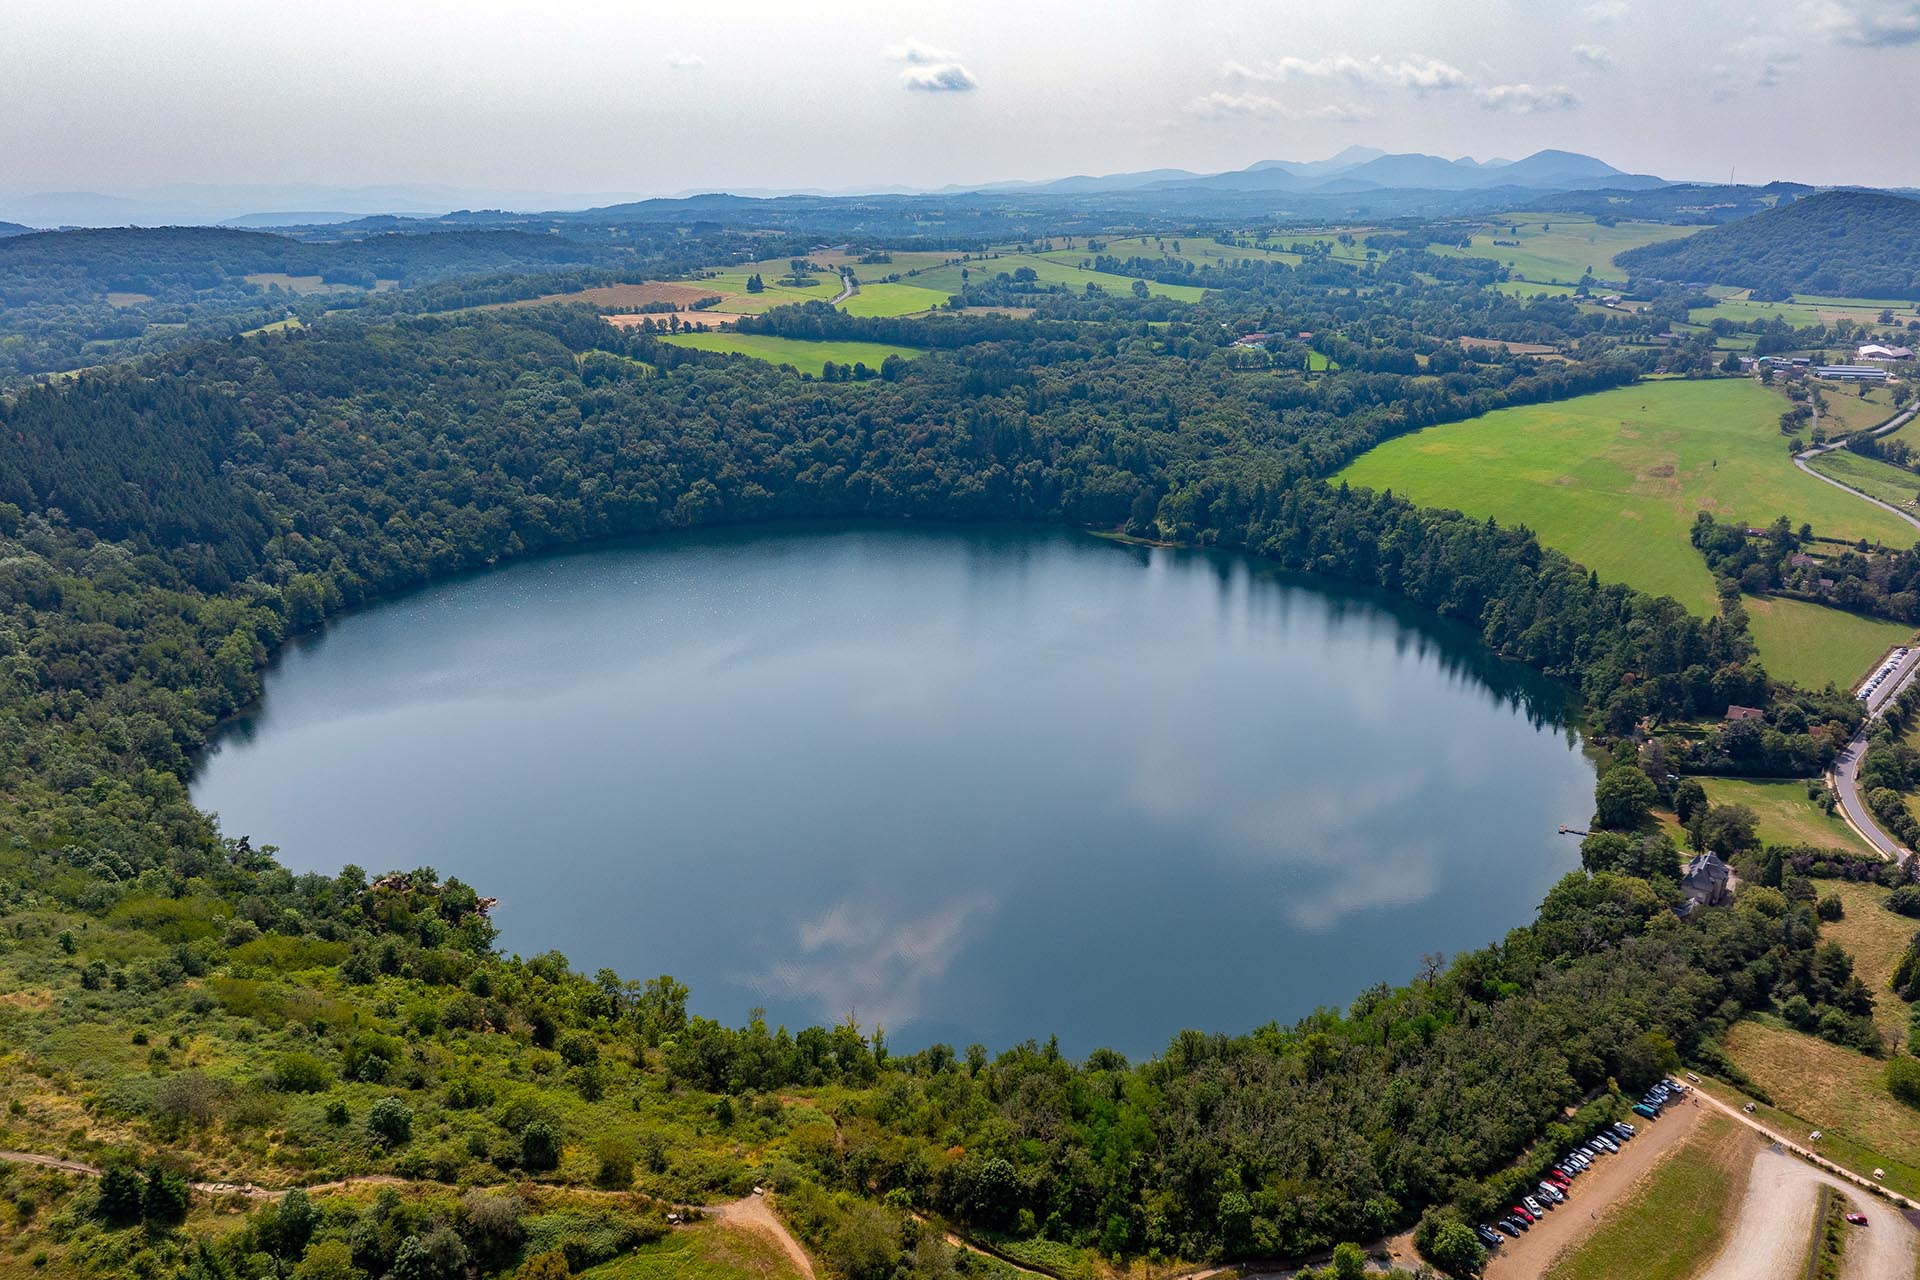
(70, 299)
(190, 1007)
(1846, 243)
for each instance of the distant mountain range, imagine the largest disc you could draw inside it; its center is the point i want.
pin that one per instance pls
(1356, 170)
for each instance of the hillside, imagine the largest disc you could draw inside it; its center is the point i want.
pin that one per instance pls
(1848, 243)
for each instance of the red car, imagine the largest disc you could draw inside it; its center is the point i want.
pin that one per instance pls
(1554, 1175)
(1857, 1219)
(1520, 1213)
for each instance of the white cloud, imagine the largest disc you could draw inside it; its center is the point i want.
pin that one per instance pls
(920, 53)
(685, 61)
(1870, 24)
(1260, 106)
(1527, 99)
(1420, 74)
(930, 69)
(939, 77)
(1597, 56)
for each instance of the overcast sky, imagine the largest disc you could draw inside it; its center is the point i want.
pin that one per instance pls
(655, 97)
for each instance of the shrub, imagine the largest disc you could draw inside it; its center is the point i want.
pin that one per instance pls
(539, 1147)
(1903, 1080)
(301, 1073)
(616, 1158)
(1830, 907)
(328, 1260)
(391, 1121)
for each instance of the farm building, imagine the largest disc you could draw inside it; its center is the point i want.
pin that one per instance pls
(1874, 353)
(1737, 712)
(1851, 373)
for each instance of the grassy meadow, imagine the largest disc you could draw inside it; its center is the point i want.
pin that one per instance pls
(1787, 814)
(948, 279)
(1811, 644)
(708, 1250)
(1556, 249)
(1838, 1091)
(1893, 485)
(893, 300)
(804, 355)
(1614, 479)
(1675, 1219)
(1875, 937)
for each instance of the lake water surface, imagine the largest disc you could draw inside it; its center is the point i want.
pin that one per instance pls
(970, 785)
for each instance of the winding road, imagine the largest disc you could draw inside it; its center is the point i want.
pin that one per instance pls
(1894, 423)
(1844, 777)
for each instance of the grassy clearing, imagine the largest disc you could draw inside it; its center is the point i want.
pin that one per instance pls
(1875, 937)
(1199, 250)
(1848, 410)
(1049, 273)
(618, 297)
(707, 1251)
(893, 300)
(1614, 479)
(1530, 289)
(807, 357)
(1890, 484)
(1677, 1216)
(1555, 249)
(732, 287)
(1837, 1091)
(1787, 814)
(1811, 644)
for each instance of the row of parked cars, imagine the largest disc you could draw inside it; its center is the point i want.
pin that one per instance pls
(1881, 674)
(1555, 1187)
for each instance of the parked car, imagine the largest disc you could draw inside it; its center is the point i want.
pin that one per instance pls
(1622, 1130)
(1523, 1215)
(1553, 1194)
(1606, 1142)
(1857, 1219)
(1559, 1175)
(1534, 1207)
(1507, 1225)
(1642, 1109)
(1488, 1236)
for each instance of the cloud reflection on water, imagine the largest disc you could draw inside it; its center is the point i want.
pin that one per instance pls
(870, 959)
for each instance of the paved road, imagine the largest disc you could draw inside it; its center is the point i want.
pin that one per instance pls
(849, 287)
(1845, 775)
(1892, 424)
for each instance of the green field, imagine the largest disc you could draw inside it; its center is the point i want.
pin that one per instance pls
(1811, 644)
(1614, 479)
(1676, 1217)
(732, 285)
(1848, 411)
(1050, 272)
(892, 300)
(707, 1251)
(1529, 289)
(1882, 480)
(1787, 814)
(1197, 249)
(1555, 249)
(802, 354)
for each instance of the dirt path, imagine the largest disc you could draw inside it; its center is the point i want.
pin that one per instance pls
(1770, 1238)
(755, 1214)
(1610, 1181)
(1844, 1175)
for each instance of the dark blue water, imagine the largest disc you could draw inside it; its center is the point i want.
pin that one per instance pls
(968, 785)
